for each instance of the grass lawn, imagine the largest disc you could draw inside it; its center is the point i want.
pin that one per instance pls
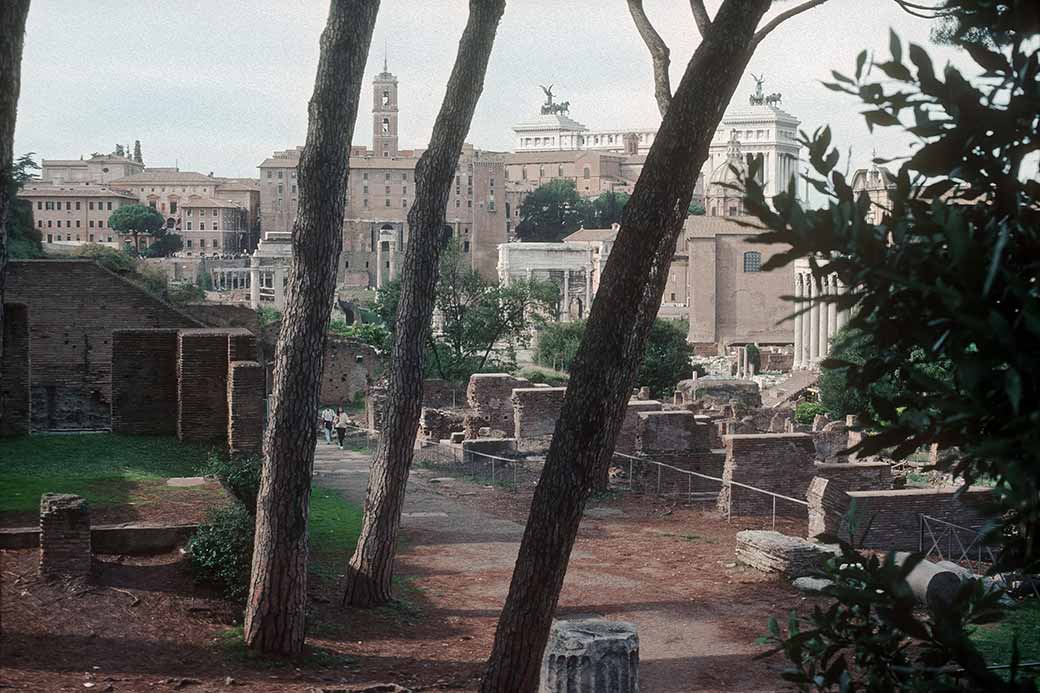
(994, 641)
(102, 467)
(333, 530)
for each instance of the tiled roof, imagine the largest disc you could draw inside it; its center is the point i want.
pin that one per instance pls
(592, 235)
(199, 201)
(702, 225)
(167, 177)
(30, 190)
(240, 184)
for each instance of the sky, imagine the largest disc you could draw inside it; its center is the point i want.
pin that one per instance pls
(217, 85)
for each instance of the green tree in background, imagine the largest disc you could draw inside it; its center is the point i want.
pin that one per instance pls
(135, 220)
(666, 360)
(165, 246)
(23, 239)
(553, 211)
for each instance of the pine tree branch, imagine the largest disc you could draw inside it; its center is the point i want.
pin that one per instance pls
(700, 16)
(658, 52)
(781, 18)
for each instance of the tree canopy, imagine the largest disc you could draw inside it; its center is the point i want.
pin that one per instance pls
(947, 276)
(136, 220)
(23, 239)
(552, 211)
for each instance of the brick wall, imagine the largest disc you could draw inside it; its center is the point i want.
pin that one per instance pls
(64, 535)
(857, 476)
(490, 396)
(144, 382)
(75, 305)
(438, 424)
(626, 440)
(671, 430)
(245, 404)
(375, 405)
(241, 344)
(535, 412)
(440, 394)
(891, 519)
(202, 373)
(350, 366)
(777, 462)
(15, 372)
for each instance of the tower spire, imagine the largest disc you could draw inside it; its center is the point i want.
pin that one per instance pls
(385, 52)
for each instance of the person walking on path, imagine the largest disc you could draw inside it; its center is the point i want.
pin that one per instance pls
(341, 425)
(328, 417)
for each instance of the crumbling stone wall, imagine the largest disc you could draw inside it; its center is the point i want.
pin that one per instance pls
(245, 403)
(64, 535)
(777, 462)
(441, 394)
(626, 440)
(350, 367)
(680, 439)
(15, 372)
(891, 519)
(438, 424)
(489, 396)
(144, 381)
(714, 393)
(535, 412)
(857, 476)
(202, 376)
(75, 305)
(375, 407)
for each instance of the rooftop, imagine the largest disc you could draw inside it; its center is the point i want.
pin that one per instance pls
(85, 190)
(593, 235)
(167, 175)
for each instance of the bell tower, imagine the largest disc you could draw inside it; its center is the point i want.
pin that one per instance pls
(384, 114)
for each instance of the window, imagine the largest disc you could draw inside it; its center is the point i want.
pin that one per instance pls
(173, 207)
(469, 203)
(68, 206)
(77, 223)
(214, 212)
(215, 243)
(77, 206)
(404, 176)
(465, 246)
(280, 174)
(39, 223)
(457, 204)
(388, 190)
(364, 202)
(214, 226)
(364, 176)
(294, 188)
(109, 206)
(364, 189)
(109, 239)
(586, 173)
(90, 205)
(559, 171)
(404, 189)
(39, 204)
(91, 238)
(280, 189)
(89, 223)
(269, 173)
(189, 226)
(753, 261)
(187, 243)
(404, 203)
(388, 202)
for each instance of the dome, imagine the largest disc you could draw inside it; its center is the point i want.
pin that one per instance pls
(724, 173)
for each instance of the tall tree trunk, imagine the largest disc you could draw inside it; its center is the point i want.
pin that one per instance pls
(371, 567)
(278, 587)
(12, 35)
(604, 369)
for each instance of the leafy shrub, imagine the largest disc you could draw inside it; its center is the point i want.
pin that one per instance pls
(805, 412)
(240, 476)
(754, 357)
(221, 551)
(114, 260)
(186, 293)
(543, 377)
(374, 335)
(267, 316)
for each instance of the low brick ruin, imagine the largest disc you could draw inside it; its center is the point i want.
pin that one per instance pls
(489, 397)
(535, 411)
(891, 519)
(64, 535)
(777, 462)
(245, 406)
(144, 381)
(350, 367)
(438, 424)
(15, 385)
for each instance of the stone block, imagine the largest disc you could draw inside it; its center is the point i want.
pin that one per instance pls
(349, 368)
(626, 440)
(15, 385)
(773, 552)
(715, 392)
(65, 547)
(144, 381)
(438, 424)
(489, 396)
(591, 656)
(535, 412)
(671, 430)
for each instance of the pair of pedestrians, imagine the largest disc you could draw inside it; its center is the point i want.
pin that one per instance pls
(335, 419)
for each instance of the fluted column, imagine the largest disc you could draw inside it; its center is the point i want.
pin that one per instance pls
(832, 310)
(806, 321)
(843, 315)
(798, 320)
(824, 290)
(379, 263)
(567, 294)
(814, 321)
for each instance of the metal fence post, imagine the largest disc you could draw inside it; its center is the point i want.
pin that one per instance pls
(774, 512)
(659, 480)
(492, 471)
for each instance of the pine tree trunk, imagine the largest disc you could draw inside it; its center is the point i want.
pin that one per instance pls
(274, 620)
(371, 567)
(605, 367)
(12, 35)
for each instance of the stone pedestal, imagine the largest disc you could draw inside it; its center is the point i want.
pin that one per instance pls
(64, 535)
(591, 656)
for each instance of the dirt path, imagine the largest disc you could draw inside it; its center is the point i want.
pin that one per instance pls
(669, 570)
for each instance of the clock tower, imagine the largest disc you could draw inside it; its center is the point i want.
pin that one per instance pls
(384, 114)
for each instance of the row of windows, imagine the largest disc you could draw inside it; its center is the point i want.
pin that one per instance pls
(68, 237)
(202, 212)
(102, 223)
(202, 243)
(292, 173)
(202, 226)
(56, 205)
(586, 173)
(161, 189)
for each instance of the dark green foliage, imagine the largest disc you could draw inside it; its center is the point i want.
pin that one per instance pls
(949, 275)
(221, 551)
(872, 637)
(666, 360)
(167, 245)
(111, 259)
(240, 476)
(23, 238)
(605, 210)
(483, 323)
(754, 357)
(185, 292)
(806, 412)
(375, 335)
(552, 211)
(137, 219)
(267, 316)
(542, 376)
(947, 302)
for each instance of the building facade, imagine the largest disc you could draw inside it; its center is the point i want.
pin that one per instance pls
(380, 193)
(100, 169)
(75, 214)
